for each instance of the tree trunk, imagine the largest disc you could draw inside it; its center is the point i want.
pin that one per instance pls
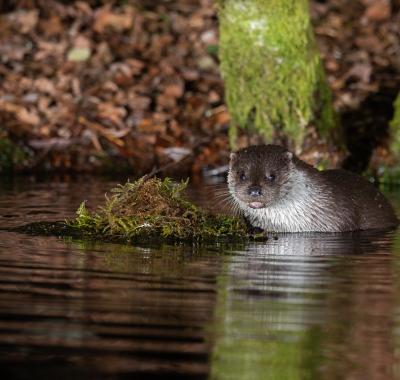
(275, 83)
(387, 165)
(395, 129)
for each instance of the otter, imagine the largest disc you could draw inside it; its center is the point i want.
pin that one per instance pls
(278, 192)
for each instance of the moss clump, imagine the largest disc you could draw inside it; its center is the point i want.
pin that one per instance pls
(274, 79)
(153, 209)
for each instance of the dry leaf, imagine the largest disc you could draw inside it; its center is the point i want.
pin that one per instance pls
(106, 18)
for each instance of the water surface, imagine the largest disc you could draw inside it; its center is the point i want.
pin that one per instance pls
(296, 307)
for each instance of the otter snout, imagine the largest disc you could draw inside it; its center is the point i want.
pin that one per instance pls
(254, 191)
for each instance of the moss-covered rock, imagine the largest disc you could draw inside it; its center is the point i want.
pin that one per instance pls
(146, 210)
(274, 78)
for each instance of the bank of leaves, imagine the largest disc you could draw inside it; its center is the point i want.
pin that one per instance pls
(153, 209)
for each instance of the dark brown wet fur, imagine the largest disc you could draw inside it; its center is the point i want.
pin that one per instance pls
(371, 208)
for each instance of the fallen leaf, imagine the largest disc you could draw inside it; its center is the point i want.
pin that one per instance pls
(176, 153)
(52, 26)
(148, 126)
(106, 18)
(379, 10)
(174, 90)
(26, 21)
(78, 54)
(362, 71)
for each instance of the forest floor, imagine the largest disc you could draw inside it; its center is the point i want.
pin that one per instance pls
(93, 86)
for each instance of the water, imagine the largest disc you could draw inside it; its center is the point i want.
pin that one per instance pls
(300, 307)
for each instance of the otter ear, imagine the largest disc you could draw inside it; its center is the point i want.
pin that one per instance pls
(289, 156)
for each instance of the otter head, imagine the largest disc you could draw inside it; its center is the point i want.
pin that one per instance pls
(258, 175)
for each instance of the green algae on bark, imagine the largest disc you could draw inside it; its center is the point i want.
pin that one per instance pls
(395, 128)
(389, 172)
(153, 209)
(274, 78)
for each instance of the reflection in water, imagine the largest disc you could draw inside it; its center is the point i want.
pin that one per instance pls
(103, 309)
(310, 306)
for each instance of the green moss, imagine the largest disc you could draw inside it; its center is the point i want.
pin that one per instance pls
(153, 209)
(274, 79)
(384, 174)
(390, 173)
(10, 155)
(212, 49)
(395, 128)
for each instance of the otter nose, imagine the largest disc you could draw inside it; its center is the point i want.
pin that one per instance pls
(254, 191)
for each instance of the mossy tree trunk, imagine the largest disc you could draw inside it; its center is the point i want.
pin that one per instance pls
(387, 167)
(275, 83)
(395, 129)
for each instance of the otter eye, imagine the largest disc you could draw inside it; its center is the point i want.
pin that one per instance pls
(242, 177)
(270, 177)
